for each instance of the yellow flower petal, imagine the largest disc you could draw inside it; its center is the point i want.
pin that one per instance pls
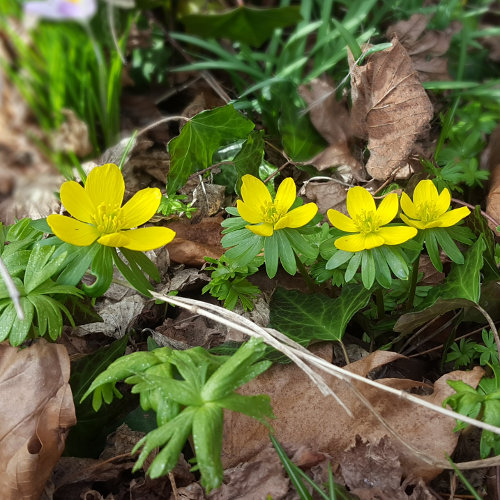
(264, 229)
(285, 196)
(453, 216)
(443, 201)
(72, 231)
(341, 221)
(77, 202)
(248, 213)
(140, 208)
(298, 217)
(254, 192)
(388, 209)
(373, 240)
(359, 201)
(143, 239)
(408, 206)
(425, 192)
(105, 185)
(358, 242)
(413, 223)
(397, 234)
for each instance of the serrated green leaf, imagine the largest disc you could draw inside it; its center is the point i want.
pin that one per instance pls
(200, 138)
(21, 328)
(207, 438)
(39, 268)
(305, 318)
(243, 24)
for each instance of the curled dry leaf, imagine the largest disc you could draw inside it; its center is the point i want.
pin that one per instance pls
(36, 420)
(327, 195)
(425, 47)
(390, 108)
(305, 417)
(331, 119)
(493, 199)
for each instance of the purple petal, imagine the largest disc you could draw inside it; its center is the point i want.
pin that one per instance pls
(62, 9)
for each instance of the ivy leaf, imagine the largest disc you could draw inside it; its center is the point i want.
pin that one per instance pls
(243, 24)
(200, 138)
(305, 318)
(461, 289)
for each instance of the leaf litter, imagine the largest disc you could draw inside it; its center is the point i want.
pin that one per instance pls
(384, 89)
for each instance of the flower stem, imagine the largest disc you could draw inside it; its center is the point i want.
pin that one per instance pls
(413, 284)
(303, 271)
(379, 297)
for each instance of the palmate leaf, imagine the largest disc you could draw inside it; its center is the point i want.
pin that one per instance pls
(306, 318)
(200, 138)
(243, 24)
(461, 289)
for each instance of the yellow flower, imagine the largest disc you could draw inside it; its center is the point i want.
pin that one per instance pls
(367, 222)
(266, 215)
(99, 215)
(429, 209)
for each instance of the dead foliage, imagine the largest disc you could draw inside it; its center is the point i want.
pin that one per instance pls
(305, 417)
(390, 108)
(425, 47)
(37, 418)
(493, 199)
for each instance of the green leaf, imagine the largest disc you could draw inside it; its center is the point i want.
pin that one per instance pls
(207, 438)
(102, 269)
(200, 138)
(258, 407)
(249, 159)
(338, 258)
(287, 256)
(367, 269)
(243, 24)
(353, 266)
(433, 250)
(132, 274)
(142, 261)
(21, 328)
(305, 318)
(396, 261)
(7, 319)
(271, 253)
(382, 272)
(461, 289)
(448, 245)
(39, 269)
(300, 245)
(77, 262)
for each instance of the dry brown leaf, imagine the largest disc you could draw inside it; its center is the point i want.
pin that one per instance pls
(260, 478)
(331, 119)
(36, 420)
(373, 471)
(390, 108)
(425, 47)
(305, 417)
(493, 199)
(193, 242)
(327, 195)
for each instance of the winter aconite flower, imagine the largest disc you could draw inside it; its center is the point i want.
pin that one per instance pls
(368, 222)
(430, 209)
(99, 215)
(79, 10)
(265, 215)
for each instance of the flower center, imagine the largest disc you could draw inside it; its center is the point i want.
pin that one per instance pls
(74, 1)
(270, 214)
(367, 222)
(427, 211)
(108, 219)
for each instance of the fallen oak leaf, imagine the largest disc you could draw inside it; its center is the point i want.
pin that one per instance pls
(390, 108)
(35, 422)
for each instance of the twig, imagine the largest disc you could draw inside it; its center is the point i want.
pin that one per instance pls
(472, 207)
(296, 352)
(12, 289)
(174, 486)
(160, 121)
